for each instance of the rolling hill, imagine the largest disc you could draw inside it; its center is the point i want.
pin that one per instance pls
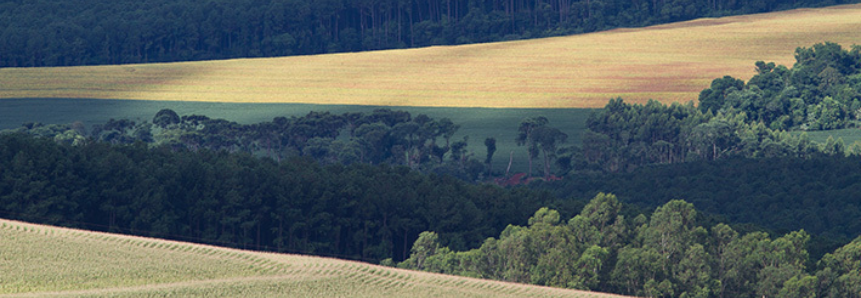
(44, 261)
(672, 62)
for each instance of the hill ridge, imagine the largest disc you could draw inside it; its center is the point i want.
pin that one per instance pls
(290, 273)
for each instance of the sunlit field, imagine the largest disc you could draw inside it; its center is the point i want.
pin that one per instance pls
(43, 261)
(669, 63)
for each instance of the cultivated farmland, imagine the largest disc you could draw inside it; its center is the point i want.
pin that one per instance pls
(668, 62)
(44, 261)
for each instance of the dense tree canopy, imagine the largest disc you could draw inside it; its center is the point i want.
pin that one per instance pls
(382, 136)
(818, 194)
(235, 199)
(667, 254)
(63, 33)
(820, 92)
(623, 137)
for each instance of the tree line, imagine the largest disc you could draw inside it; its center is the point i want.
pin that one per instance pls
(382, 136)
(666, 254)
(58, 33)
(297, 205)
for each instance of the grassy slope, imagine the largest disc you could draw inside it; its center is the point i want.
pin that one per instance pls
(42, 261)
(668, 62)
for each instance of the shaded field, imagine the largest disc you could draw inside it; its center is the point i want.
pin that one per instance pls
(476, 123)
(669, 63)
(44, 261)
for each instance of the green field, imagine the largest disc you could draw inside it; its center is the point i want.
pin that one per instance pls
(849, 135)
(43, 261)
(671, 62)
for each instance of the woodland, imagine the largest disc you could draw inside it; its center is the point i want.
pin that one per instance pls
(300, 206)
(667, 254)
(723, 199)
(35, 33)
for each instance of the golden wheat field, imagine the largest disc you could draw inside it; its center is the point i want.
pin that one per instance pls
(45, 261)
(668, 63)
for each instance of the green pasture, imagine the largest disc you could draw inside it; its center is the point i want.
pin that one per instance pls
(476, 123)
(44, 261)
(849, 135)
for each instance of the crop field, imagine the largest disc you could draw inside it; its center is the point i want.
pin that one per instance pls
(669, 63)
(43, 261)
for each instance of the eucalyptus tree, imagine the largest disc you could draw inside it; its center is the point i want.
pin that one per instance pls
(526, 137)
(548, 140)
(490, 143)
(839, 273)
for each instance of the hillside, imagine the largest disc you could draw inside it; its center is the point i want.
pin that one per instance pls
(44, 261)
(669, 62)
